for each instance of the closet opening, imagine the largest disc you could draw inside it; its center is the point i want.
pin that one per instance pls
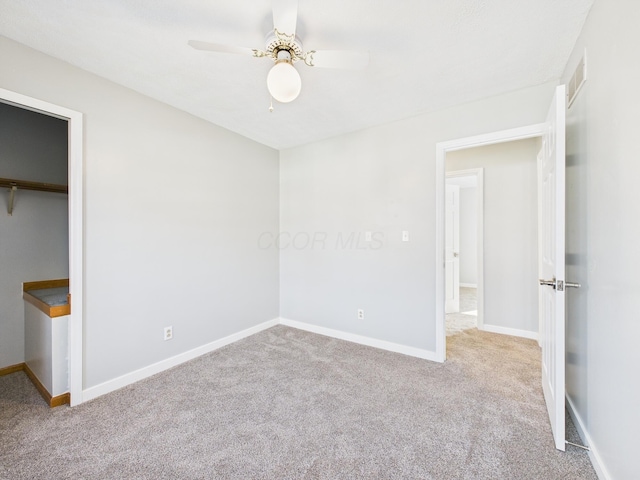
(41, 245)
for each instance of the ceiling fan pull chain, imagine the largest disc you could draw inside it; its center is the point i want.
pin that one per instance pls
(271, 105)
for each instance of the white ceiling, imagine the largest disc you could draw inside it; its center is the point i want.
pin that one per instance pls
(425, 55)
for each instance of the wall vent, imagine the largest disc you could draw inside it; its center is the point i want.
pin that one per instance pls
(577, 80)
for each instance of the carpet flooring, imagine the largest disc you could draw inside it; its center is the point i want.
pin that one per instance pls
(288, 404)
(467, 317)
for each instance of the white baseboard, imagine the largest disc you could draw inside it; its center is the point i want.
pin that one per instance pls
(142, 373)
(595, 458)
(145, 372)
(368, 341)
(469, 285)
(514, 332)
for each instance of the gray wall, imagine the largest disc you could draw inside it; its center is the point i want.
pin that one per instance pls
(382, 180)
(173, 206)
(468, 236)
(603, 227)
(34, 241)
(510, 230)
(33, 146)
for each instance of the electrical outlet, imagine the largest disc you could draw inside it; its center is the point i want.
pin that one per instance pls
(360, 314)
(168, 333)
(405, 236)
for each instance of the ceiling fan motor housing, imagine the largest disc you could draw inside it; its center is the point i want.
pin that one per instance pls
(278, 42)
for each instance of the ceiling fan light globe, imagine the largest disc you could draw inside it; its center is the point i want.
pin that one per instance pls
(284, 82)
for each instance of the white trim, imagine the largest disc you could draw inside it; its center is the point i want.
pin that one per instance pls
(368, 341)
(514, 332)
(577, 421)
(469, 285)
(76, 229)
(594, 456)
(520, 133)
(442, 148)
(145, 372)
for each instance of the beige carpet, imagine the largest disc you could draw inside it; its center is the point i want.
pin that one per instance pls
(287, 404)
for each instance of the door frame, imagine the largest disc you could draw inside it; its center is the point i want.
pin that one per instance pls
(76, 229)
(452, 305)
(520, 133)
(479, 174)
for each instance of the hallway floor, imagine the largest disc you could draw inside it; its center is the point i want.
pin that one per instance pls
(468, 316)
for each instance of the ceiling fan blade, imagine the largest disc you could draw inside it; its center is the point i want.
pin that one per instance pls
(347, 60)
(285, 16)
(216, 47)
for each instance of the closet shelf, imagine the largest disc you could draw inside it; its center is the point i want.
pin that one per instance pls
(14, 185)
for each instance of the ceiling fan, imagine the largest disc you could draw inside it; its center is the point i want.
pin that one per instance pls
(284, 47)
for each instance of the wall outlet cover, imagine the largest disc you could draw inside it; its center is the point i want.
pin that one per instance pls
(168, 333)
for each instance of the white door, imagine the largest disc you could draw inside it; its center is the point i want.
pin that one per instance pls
(551, 265)
(452, 249)
(540, 159)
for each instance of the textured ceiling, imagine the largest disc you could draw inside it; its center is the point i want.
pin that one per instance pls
(425, 55)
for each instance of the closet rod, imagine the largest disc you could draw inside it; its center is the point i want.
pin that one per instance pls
(40, 186)
(14, 185)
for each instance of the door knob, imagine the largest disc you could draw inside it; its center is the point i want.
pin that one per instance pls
(455, 254)
(559, 284)
(549, 283)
